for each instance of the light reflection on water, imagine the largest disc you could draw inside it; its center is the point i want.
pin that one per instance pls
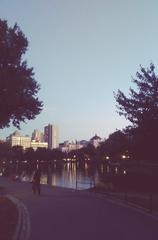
(67, 175)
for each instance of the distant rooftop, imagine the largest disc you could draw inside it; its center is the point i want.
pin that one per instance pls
(96, 137)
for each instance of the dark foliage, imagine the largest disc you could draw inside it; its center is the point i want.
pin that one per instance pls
(116, 145)
(17, 153)
(141, 109)
(18, 88)
(5, 151)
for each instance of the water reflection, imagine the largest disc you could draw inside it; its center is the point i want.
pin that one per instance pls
(65, 175)
(69, 175)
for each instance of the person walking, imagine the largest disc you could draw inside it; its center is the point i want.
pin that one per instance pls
(36, 187)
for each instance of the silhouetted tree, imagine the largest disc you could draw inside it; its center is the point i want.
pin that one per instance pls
(41, 154)
(90, 151)
(5, 151)
(17, 153)
(141, 109)
(76, 154)
(57, 155)
(29, 154)
(18, 88)
(116, 145)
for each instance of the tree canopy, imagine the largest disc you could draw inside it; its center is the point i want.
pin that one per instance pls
(141, 109)
(18, 88)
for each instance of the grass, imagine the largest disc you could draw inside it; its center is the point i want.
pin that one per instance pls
(8, 218)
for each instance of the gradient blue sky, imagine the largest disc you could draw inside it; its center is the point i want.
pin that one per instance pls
(82, 51)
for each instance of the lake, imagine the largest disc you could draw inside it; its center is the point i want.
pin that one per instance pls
(68, 175)
(86, 175)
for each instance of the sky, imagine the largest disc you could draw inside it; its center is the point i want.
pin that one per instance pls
(83, 51)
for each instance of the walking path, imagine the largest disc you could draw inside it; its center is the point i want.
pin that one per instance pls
(66, 214)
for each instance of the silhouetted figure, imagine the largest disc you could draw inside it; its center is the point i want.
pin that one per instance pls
(36, 187)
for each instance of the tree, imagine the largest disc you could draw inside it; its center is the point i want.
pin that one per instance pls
(90, 151)
(18, 88)
(17, 153)
(5, 151)
(141, 109)
(116, 145)
(29, 154)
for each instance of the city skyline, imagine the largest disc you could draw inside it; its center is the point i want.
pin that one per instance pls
(49, 139)
(82, 52)
(39, 135)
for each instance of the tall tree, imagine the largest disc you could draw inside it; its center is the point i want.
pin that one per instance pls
(141, 109)
(18, 88)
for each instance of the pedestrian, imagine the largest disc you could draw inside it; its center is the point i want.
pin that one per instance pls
(36, 186)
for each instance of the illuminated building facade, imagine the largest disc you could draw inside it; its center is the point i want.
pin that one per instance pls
(16, 139)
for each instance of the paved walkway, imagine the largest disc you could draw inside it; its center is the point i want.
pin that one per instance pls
(65, 214)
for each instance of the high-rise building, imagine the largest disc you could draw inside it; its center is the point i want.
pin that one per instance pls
(51, 136)
(37, 136)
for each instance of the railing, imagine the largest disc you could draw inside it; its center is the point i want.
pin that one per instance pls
(146, 201)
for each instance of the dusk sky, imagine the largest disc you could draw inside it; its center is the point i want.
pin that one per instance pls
(82, 51)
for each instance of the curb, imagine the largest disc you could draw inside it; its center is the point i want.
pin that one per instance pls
(23, 227)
